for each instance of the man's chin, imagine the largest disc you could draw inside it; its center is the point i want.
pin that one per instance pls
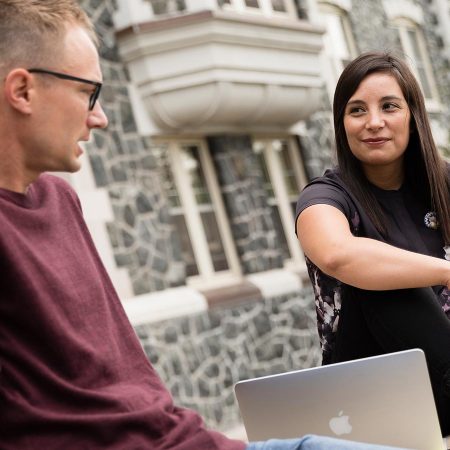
(74, 168)
(76, 163)
(71, 167)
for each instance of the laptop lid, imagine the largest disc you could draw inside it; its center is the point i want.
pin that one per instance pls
(385, 399)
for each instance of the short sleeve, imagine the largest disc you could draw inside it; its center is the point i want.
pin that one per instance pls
(324, 194)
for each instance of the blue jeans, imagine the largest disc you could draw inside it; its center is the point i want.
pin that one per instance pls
(311, 442)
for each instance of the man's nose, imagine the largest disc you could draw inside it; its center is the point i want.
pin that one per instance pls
(97, 117)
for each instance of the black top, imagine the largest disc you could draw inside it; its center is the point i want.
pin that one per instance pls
(406, 216)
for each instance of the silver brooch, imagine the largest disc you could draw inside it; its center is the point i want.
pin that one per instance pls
(431, 221)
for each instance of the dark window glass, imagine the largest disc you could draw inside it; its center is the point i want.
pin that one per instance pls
(167, 6)
(252, 3)
(193, 164)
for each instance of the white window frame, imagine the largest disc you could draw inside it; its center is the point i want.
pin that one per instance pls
(335, 66)
(172, 9)
(265, 8)
(207, 276)
(403, 25)
(267, 146)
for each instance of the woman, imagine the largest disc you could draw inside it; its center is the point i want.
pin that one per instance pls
(375, 230)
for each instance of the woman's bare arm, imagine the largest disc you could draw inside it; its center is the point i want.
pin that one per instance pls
(325, 236)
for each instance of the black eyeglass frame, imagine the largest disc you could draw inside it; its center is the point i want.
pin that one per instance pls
(94, 96)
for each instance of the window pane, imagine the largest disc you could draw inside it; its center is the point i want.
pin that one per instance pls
(169, 186)
(252, 3)
(288, 170)
(187, 253)
(280, 231)
(167, 6)
(177, 214)
(424, 82)
(214, 241)
(337, 36)
(281, 147)
(419, 62)
(279, 5)
(266, 178)
(192, 165)
(415, 45)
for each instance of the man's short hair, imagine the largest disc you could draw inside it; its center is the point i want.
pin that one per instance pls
(32, 31)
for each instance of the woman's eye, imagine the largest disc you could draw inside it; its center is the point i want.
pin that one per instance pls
(356, 110)
(390, 106)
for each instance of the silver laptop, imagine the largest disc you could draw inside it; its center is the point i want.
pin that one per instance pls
(384, 399)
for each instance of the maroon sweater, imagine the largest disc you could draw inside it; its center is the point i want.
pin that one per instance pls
(72, 371)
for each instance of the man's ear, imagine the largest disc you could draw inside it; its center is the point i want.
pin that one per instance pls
(19, 89)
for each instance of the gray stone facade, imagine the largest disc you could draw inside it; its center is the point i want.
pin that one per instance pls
(317, 144)
(143, 238)
(368, 19)
(201, 357)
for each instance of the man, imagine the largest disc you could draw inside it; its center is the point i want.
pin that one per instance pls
(72, 372)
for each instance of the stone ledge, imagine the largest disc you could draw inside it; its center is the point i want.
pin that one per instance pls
(184, 301)
(232, 295)
(276, 282)
(163, 305)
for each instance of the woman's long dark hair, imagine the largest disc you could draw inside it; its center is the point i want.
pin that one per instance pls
(423, 163)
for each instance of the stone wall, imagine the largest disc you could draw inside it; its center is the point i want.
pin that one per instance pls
(142, 235)
(201, 357)
(367, 32)
(317, 143)
(241, 179)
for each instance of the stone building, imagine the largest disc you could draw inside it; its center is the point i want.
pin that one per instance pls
(219, 114)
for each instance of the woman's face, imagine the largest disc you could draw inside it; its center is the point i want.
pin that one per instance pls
(376, 122)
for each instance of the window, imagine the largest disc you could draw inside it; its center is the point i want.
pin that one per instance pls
(252, 3)
(161, 7)
(339, 44)
(413, 44)
(407, 17)
(279, 6)
(198, 212)
(269, 8)
(284, 178)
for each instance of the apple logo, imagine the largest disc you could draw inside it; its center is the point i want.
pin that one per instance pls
(340, 424)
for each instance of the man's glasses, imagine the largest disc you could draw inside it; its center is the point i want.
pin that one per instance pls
(94, 96)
